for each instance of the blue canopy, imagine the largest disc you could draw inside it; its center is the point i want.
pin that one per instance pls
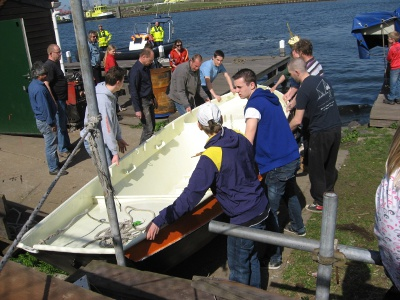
(371, 29)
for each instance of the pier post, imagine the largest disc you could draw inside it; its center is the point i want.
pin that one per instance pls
(282, 48)
(93, 112)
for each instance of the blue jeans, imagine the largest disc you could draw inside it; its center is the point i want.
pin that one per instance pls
(180, 108)
(108, 152)
(394, 85)
(50, 142)
(148, 119)
(282, 181)
(243, 261)
(62, 131)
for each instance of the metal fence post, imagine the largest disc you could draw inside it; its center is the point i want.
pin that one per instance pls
(326, 249)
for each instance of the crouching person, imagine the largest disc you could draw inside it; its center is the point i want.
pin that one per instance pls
(228, 167)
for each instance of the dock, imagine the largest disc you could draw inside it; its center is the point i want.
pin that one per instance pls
(267, 68)
(384, 115)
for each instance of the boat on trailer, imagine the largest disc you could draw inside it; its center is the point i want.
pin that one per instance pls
(148, 179)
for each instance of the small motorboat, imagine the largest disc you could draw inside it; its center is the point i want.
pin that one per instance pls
(98, 12)
(371, 29)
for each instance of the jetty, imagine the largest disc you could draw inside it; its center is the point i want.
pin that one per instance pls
(384, 115)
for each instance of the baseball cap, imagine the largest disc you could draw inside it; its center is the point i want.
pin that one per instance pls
(208, 111)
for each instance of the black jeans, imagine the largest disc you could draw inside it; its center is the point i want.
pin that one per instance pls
(148, 119)
(322, 154)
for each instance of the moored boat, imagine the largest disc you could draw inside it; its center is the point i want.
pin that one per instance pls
(371, 29)
(98, 12)
(148, 179)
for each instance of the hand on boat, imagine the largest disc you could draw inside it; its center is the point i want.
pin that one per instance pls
(188, 109)
(115, 159)
(122, 145)
(151, 231)
(218, 97)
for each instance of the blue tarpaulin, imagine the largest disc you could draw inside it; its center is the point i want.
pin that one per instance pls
(371, 29)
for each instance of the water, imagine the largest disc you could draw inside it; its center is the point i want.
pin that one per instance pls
(257, 30)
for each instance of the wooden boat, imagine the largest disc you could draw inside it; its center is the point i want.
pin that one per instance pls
(148, 179)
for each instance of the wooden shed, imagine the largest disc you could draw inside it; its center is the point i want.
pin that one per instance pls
(27, 29)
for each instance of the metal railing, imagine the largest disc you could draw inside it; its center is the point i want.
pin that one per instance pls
(326, 253)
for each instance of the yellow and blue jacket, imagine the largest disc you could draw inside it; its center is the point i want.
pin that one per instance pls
(228, 167)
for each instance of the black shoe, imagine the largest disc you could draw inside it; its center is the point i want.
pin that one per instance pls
(289, 228)
(388, 102)
(274, 265)
(397, 101)
(55, 172)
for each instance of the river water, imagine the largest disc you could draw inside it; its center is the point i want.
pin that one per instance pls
(257, 30)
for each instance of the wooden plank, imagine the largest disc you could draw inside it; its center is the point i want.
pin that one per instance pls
(4, 233)
(232, 290)
(384, 115)
(129, 283)
(20, 282)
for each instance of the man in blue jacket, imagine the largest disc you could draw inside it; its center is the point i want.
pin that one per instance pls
(228, 167)
(276, 151)
(45, 110)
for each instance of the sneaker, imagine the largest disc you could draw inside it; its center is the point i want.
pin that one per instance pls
(388, 102)
(397, 101)
(315, 207)
(55, 172)
(274, 265)
(289, 228)
(64, 154)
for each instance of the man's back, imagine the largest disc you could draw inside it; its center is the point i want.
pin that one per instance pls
(274, 143)
(317, 98)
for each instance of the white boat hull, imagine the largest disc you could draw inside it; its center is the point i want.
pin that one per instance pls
(148, 179)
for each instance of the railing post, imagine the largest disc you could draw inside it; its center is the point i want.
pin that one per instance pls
(326, 249)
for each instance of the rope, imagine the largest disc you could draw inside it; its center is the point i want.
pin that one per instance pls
(128, 229)
(32, 217)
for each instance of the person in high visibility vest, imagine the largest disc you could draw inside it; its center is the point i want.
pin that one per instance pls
(158, 34)
(104, 38)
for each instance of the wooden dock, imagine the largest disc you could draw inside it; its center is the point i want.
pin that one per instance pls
(265, 67)
(384, 115)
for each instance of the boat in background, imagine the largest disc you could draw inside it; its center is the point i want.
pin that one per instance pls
(64, 19)
(148, 179)
(98, 12)
(141, 36)
(371, 29)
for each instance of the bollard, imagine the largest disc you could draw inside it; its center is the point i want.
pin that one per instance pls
(68, 55)
(161, 51)
(282, 48)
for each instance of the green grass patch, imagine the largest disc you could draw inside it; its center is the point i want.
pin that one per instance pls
(358, 180)
(30, 261)
(159, 125)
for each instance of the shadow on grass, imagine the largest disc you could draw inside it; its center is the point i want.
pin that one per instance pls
(355, 285)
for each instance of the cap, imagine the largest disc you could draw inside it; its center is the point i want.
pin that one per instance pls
(208, 111)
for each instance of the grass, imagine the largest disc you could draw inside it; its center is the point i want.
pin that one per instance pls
(30, 261)
(159, 125)
(358, 180)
